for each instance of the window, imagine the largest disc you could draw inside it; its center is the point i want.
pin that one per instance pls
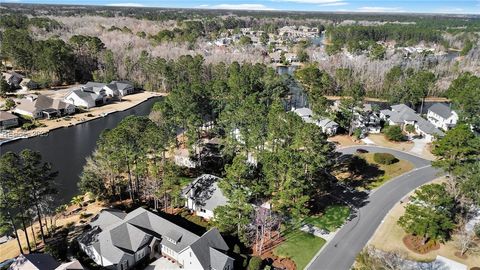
(140, 254)
(124, 265)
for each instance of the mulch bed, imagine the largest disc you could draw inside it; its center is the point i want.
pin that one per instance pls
(280, 263)
(415, 244)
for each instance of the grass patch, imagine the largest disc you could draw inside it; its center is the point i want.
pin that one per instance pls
(389, 171)
(332, 218)
(300, 247)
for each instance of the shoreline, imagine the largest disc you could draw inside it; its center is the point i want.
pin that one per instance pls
(127, 103)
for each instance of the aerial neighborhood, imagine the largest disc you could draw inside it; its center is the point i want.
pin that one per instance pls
(32, 105)
(240, 136)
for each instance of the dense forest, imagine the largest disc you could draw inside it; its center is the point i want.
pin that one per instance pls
(128, 44)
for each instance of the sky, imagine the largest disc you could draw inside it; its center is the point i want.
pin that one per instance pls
(390, 6)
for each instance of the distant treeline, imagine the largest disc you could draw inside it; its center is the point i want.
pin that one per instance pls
(161, 14)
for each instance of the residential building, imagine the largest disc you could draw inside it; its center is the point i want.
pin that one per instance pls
(7, 120)
(327, 125)
(403, 115)
(124, 87)
(86, 98)
(27, 84)
(113, 90)
(203, 195)
(440, 115)
(122, 241)
(366, 119)
(41, 261)
(13, 79)
(43, 107)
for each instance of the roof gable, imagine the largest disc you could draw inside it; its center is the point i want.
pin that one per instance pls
(441, 109)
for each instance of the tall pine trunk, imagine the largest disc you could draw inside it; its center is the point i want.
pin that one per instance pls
(26, 233)
(14, 227)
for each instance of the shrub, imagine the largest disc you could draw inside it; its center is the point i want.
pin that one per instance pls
(384, 158)
(85, 215)
(357, 133)
(28, 126)
(394, 133)
(255, 263)
(236, 249)
(477, 230)
(410, 128)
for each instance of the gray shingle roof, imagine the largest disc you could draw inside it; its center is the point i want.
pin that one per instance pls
(95, 84)
(42, 261)
(303, 112)
(214, 240)
(401, 113)
(218, 259)
(107, 217)
(7, 116)
(124, 236)
(441, 109)
(41, 103)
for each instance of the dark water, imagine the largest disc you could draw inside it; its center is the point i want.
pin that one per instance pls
(67, 148)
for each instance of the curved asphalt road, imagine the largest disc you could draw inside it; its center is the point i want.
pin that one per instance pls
(340, 252)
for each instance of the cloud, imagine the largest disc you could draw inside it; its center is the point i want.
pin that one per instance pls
(333, 4)
(126, 5)
(240, 6)
(380, 9)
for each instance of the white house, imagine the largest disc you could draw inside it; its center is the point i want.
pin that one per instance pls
(442, 116)
(403, 115)
(43, 107)
(121, 241)
(86, 98)
(328, 126)
(203, 195)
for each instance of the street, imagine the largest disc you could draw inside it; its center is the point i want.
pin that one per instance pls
(340, 252)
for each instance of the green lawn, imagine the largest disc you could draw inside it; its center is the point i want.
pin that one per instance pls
(390, 171)
(333, 217)
(300, 247)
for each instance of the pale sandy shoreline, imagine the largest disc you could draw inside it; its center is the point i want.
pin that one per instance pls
(127, 102)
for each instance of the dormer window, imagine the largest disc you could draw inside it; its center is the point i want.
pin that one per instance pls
(171, 240)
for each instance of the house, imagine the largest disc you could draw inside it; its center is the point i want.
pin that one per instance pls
(203, 195)
(327, 125)
(440, 115)
(41, 261)
(43, 107)
(403, 115)
(366, 119)
(113, 90)
(8, 120)
(291, 57)
(27, 84)
(122, 241)
(86, 98)
(13, 79)
(124, 87)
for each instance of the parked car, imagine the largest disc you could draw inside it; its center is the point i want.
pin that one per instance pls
(361, 151)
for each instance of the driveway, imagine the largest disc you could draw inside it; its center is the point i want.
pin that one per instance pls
(163, 264)
(340, 252)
